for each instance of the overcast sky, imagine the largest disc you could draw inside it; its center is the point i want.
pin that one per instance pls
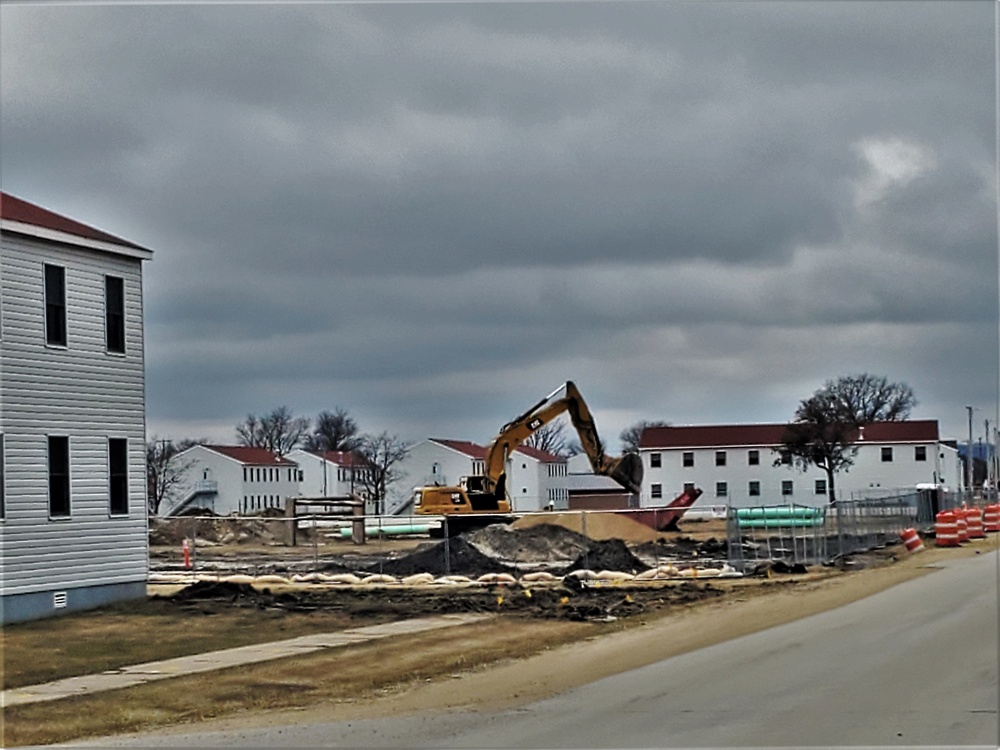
(432, 215)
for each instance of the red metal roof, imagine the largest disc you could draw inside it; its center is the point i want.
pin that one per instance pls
(13, 208)
(704, 436)
(341, 458)
(462, 446)
(478, 451)
(251, 456)
(539, 455)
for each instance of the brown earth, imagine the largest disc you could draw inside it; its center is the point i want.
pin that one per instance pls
(750, 605)
(545, 639)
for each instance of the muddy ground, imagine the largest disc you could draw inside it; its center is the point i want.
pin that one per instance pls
(549, 543)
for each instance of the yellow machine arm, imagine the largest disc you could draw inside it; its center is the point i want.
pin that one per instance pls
(626, 470)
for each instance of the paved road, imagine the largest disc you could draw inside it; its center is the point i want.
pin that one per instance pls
(915, 665)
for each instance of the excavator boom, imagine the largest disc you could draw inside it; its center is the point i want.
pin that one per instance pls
(626, 470)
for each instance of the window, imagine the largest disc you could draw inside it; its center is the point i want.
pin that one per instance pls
(654, 460)
(114, 313)
(3, 505)
(887, 454)
(55, 305)
(920, 453)
(58, 476)
(688, 459)
(753, 489)
(720, 458)
(820, 486)
(786, 487)
(689, 487)
(786, 458)
(118, 475)
(656, 490)
(721, 489)
(753, 458)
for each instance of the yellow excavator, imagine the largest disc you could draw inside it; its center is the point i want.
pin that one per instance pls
(480, 500)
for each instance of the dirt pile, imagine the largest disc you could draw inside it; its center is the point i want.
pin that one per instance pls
(596, 525)
(609, 554)
(450, 556)
(216, 530)
(544, 543)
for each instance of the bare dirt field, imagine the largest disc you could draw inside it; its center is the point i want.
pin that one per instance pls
(546, 637)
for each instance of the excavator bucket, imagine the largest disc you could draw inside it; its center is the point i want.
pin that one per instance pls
(627, 471)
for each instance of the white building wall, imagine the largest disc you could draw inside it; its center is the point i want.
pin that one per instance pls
(524, 482)
(428, 463)
(240, 488)
(80, 391)
(266, 487)
(869, 472)
(533, 483)
(322, 477)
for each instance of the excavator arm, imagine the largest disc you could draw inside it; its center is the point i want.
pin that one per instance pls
(626, 470)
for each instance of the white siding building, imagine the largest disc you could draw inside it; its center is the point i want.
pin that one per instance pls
(734, 464)
(537, 480)
(327, 473)
(232, 479)
(73, 523)
(534, 478)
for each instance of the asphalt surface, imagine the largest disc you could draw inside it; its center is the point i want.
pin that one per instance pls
(915, 665)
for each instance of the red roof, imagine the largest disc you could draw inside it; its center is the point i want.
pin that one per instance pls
(769, 435)
(462, 446)
(477, 451)
(251, 456)
(539, 455)
(341, 458)
(13, 208)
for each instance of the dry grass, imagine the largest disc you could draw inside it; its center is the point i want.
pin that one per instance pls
(115, 636)
(339, 675)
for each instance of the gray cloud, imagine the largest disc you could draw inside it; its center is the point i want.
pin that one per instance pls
(432, 214)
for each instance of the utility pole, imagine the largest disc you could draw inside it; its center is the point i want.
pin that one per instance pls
(988, 457)
(968, 457)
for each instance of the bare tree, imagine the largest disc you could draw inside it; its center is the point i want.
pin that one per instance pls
(380, 456)
(278, 431)
(165, 471)
(631, 436)
(862, 399)
(826, 425)
(551, 438)
(334, 431)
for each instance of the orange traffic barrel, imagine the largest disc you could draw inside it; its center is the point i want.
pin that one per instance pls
(991, 518)
(946, 529)
(911, 540)
(963, 525)
(974, 521)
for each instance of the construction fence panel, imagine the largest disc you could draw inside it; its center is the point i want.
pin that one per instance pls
(795, 534)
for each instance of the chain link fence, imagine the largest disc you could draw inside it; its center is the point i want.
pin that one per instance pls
(817, 535)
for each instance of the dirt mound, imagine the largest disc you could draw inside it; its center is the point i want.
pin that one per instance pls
(609, 554)
(542, 543)
(463, 558)
(215, 529)
(595, 525)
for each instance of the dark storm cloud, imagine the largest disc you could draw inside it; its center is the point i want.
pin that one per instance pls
(425, 211)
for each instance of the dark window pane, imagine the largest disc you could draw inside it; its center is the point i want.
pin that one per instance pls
(58, 476)
(114, 310)
(55, 305)
(118, 475)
